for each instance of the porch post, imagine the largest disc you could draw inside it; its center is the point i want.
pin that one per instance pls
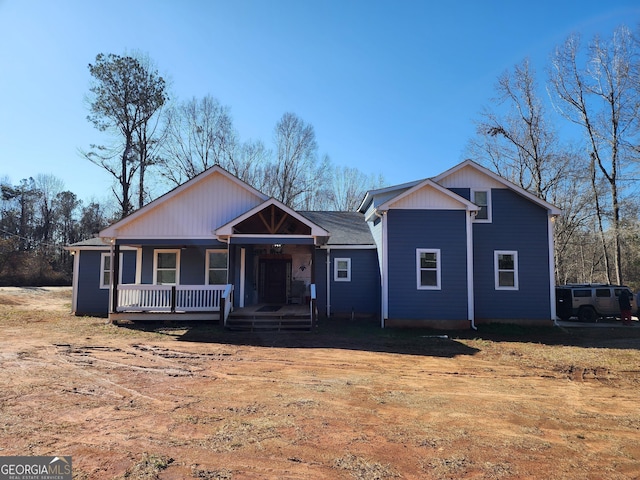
(115, 275)
(243, 261)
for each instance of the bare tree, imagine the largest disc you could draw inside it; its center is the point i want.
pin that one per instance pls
(516, 139)
(124, 95)
(293, 174)
(199, 135)
(349, 186)
(48, 187)
(247, 160)
(600, 95)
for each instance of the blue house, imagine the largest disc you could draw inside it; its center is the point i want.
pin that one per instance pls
(451, 251)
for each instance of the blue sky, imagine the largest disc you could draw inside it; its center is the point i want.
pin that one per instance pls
(391, 87)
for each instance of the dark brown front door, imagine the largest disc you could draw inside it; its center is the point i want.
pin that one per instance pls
(273, 275)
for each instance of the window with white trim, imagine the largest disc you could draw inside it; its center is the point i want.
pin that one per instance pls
(166, 267)
(105, 270)
(428, 268)
(342, 269)
(216, 266)
(506, 269)
(482, 198)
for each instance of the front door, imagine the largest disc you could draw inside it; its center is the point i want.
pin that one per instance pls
(274, 274)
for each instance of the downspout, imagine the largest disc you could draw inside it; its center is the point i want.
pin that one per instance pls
(243, 255)
(552, 275)
(470, 285)
(384, 274)
(74, 282)
(112, 291)
(328, 282)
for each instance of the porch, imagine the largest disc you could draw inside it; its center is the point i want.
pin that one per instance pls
(172, 302)
(208, 303)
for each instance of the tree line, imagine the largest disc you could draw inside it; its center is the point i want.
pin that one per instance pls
(37, 218)
(151, 145)
(572, 140)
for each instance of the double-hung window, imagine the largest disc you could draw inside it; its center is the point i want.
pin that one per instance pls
(216, 267)
(506, 270)
(105, 270)
(342, 269)
(482, 198)
(106, 265)
(166, 267)
(428, 268)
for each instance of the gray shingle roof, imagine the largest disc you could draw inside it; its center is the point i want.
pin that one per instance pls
(346, 228)
(91, 242)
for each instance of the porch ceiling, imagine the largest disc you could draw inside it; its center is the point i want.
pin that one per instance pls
(272, 218)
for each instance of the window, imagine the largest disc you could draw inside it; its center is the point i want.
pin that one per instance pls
(506, 268)
(482, 198)
(166, 267)
(603, 292)
(342, 269)
(216, 267)
(105, 270)
(428, 269)
(582, 293)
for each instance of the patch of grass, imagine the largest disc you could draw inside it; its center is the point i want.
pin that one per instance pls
(149, 467)
(450, 467)
(363, 469)
(222, 474)
(240, 434)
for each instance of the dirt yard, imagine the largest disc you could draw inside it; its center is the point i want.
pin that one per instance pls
(193, 401)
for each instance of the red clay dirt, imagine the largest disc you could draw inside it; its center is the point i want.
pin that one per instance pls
(346, 401)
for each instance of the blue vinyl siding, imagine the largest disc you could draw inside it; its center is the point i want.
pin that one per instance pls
(192, 263)
(361, 295)
(409, 230)
(91, 299)
(517, 225)
(320, 272)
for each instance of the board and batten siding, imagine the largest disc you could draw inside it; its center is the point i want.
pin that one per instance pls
(517, 225)
(195, 212)
(409, 230)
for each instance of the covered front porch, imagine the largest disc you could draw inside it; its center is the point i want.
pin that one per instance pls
(261, 265)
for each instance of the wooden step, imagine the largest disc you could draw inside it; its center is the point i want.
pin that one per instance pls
(256, 323)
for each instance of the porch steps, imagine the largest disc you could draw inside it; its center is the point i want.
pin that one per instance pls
(272, 323)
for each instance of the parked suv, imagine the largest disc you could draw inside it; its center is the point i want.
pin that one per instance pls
(589, 302)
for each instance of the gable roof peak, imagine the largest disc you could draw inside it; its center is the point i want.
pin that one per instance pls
(111, 230)
(468, 163)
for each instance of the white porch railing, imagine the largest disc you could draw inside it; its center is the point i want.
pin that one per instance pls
(174, 298)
